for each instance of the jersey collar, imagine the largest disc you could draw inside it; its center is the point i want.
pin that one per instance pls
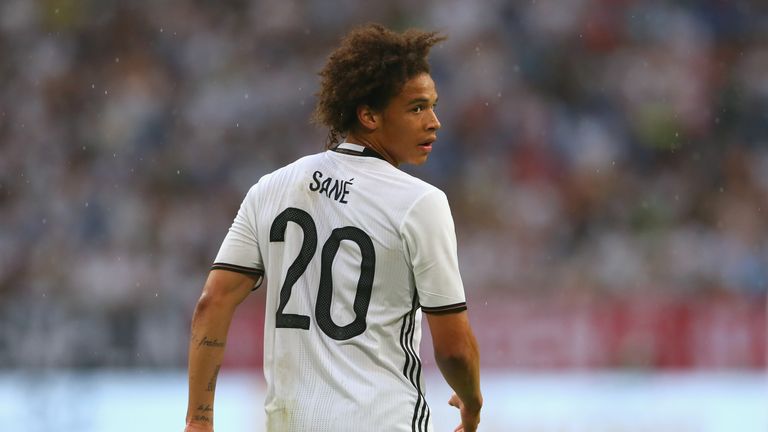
(356, 150)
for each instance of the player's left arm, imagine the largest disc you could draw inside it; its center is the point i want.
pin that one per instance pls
(430, 241)
(458, 358)
(223, 291)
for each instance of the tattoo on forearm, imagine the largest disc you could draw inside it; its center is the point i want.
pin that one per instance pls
(212, 343)
(204, 408)
(212, 382)
(202, 419)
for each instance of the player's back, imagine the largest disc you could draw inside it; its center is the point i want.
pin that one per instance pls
(342, 323)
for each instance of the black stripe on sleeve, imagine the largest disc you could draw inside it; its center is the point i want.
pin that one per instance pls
(238, 269)
(243, 270)
(453, 308)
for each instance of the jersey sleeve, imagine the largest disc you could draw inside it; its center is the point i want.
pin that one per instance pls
(239, 252)
(430, 241)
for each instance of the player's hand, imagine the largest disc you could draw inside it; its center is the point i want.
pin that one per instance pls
(192, 427)
(469, 418)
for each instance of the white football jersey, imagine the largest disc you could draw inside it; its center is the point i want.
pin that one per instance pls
(352, 248)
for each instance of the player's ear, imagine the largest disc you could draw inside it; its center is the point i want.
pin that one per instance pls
(368, 118)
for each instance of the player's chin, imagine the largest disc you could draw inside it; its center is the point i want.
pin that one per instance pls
(418, 160)
(420, 156)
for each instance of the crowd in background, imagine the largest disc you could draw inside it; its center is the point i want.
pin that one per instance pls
(588, 148)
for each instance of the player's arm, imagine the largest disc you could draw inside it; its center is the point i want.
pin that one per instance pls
(457, 357)
(430, 242)
(223, 291)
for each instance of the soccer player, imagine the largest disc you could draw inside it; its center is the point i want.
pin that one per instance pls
(354, 250)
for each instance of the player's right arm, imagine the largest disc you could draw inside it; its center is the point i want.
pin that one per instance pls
(457, 357)
(223, 291)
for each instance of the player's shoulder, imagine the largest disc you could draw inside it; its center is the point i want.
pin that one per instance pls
(416, 188)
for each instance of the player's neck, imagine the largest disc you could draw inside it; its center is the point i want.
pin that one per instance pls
(373, 144)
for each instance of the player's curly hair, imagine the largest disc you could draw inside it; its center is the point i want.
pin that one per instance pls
(370, 67)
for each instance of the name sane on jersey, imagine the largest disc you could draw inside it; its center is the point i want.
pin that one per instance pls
(330, 187)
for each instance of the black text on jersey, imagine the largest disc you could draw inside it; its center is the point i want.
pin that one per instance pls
(330, 187)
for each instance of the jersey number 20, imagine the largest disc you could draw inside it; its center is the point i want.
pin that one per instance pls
(325, 290)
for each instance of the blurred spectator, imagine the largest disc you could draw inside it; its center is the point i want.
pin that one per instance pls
(617, 146)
